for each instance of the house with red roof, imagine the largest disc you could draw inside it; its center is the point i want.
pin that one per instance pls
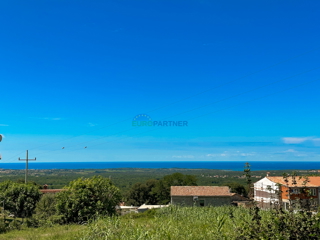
(203, 196)
(46, 190)
(285, 190)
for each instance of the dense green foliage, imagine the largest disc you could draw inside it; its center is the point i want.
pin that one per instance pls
(227, 222)
(19, 198)
(46, 207)
(125, 178)
(162, 188)
(86, 198)
(237, 188)
(178, 223)
(279, 224)
(142, 193)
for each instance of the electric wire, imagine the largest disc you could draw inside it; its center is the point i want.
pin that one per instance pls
(223, 109)
(217, 101)
(180, 100)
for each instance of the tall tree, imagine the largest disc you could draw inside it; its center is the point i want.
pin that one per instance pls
(247, 174)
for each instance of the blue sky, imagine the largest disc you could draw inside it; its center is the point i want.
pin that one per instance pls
(245, 75)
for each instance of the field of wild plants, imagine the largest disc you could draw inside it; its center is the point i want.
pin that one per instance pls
(208, 223)
(187, 223)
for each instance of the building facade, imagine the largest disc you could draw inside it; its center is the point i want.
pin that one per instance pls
(286, 191)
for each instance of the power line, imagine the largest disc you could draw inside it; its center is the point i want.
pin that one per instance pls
(27, 160)
(220, 100)
(223, 109)
(189, 97)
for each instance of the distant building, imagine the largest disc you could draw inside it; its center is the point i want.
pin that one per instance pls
(145, 207)
(126, 209)
(50, 190)
(46, 190)
(277, 191)
(203, 196)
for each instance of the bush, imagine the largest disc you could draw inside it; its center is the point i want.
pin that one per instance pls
(281, 224)
(86, 198)
(46, 207)
(19, 198)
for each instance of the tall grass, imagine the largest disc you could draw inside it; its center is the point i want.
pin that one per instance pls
(186, 223)
(207, 223)
(56, 232)
(172, 223)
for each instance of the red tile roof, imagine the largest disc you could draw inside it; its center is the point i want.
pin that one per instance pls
(238, 197)
(51, 190)
(300, 181)
(200, 191)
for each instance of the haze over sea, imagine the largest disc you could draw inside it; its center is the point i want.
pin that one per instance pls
(222, 165)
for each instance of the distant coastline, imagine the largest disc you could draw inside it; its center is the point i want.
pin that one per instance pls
(225, 165)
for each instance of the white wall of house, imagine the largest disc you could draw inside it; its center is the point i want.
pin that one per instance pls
(262, 191)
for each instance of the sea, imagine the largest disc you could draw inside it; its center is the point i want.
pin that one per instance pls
(221, 165)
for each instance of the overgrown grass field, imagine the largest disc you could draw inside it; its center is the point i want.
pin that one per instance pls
(185, 223)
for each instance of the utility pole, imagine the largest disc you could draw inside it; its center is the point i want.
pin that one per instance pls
(27, 159)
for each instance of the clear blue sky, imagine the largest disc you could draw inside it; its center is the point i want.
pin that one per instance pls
(75, 73)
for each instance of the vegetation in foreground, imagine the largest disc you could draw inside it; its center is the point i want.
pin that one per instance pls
(186, 223)
(86, 210)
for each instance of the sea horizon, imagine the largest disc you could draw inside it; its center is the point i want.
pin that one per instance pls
(219, 165)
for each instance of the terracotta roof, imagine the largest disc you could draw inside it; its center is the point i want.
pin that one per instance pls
(51, 190)
(312, 181)
(238, 197)
(200, 191)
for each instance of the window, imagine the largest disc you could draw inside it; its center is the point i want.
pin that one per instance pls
(313, 192)
(295, 190)
(201, 203)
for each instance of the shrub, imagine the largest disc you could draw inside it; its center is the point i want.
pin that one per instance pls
(86, 198)
(19, 198)
(46, 207)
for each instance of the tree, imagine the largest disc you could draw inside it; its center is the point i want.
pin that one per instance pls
(162, 188)
(237, 188)
(20, 180)
(46, 207)
(86, 198)
(141, 193)
(247, 174)
(19, 198)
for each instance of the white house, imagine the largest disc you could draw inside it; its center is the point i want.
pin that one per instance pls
(265, 192)
(276, 189)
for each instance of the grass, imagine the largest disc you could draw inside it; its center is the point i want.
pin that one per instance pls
(171, 223)
(57, 232)
(176, 223)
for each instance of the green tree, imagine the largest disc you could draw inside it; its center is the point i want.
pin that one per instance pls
(46, 207)
(141, 193)
(237, 188)
(29, 182)
(162, 188)
(247, 174)
(19, 198)
(86, 198)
